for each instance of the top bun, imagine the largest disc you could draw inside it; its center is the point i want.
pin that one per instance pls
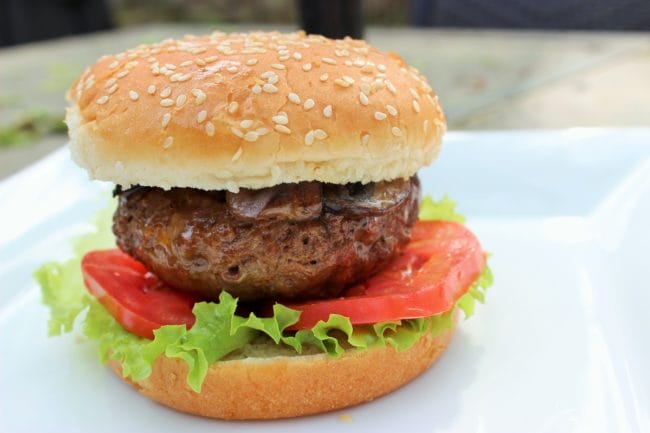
(252, 110)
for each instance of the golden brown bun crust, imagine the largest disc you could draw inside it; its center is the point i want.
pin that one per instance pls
(225, 111)
(284, 387)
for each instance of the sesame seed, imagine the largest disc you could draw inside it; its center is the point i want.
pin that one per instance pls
(359, 63)
(123, 73)
(324, 77)
(348, 79)
(273, 79)
(278, 66)
(381, 68)
(186, 63)
(414, 93)
(320, 134)
(237, 154)
(365, 88)
(218, 78)
(416, 106)
(166, 92)
(283, 52)
(232, 69)
(114, 64)
(200, 62)
(297, 55)
(396, 131)
(165, 119)
(168, 142)
(309, 138)
(110, 82)
(293, 97)
(237, 132)
(327, 111)
(392, 110)
(257, 89)
(112, 89)
(306, 67)
(170, 66)
(251, 62)
(283, 129)
(280, 119)
(376, 85)
(167, 102)
(365, 138)
(199, 95)
(246, 123)
(367, 68)
(201, 116)
(380, 115)
(251, 136)
(341, 82)
(363, 98)
(133, 95)
(262, 131)
(283, 58)
(209, 59)
(268, 74)
(185, 77)
(390, 87)
(180, 101)
(209, 128)
(232, 107)
(102, 100)
(269, 88)
(328, 60)
(151, 89)
(309, 104)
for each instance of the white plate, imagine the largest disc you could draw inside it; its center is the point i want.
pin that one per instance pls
(562, 344)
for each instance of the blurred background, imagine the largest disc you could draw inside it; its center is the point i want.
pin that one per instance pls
(497, 64)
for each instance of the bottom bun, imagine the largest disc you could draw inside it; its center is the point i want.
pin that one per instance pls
(289, 386)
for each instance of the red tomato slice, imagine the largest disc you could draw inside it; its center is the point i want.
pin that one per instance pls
(437, 267)
(134, 297)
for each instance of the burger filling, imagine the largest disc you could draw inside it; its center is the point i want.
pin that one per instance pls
(291, 241)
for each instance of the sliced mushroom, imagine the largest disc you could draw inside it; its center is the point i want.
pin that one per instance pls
(249, 203)
(373, 198)
(293, 202)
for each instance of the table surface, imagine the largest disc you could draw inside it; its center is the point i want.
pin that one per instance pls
(487, 79)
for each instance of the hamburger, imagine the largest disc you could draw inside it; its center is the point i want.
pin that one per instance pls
(272, 255)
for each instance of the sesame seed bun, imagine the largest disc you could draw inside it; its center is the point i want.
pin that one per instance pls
(298, 385)
(253, 110)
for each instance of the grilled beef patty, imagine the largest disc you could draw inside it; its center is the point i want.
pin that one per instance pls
(291, 241)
